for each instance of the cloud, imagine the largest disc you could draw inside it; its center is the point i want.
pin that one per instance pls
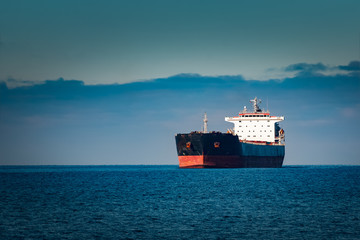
(59, 90)
(14, 83)
(306, 67)
(320, 69)
(75, 89)
(352, 66)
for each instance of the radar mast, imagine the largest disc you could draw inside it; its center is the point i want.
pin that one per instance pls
(255, 102)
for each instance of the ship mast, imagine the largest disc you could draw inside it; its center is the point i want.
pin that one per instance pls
(255, 102)
(205, 123)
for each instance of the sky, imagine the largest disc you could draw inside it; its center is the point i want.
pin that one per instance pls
(117, 41)
(112, 82)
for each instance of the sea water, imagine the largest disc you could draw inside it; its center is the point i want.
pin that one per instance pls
(165, 202)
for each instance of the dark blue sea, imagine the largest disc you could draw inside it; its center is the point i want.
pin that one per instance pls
(165, 202)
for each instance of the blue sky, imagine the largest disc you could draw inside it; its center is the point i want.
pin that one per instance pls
(112, 82)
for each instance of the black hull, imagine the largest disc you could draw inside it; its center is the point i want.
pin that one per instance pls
(221, 150)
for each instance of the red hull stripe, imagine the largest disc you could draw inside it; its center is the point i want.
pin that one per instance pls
(201, 161)
(191, 161)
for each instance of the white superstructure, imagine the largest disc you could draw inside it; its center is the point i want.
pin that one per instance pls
(257, 126)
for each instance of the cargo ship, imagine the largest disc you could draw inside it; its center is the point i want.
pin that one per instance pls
(256, 141)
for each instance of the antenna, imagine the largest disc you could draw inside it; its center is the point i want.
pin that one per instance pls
(255, 102)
